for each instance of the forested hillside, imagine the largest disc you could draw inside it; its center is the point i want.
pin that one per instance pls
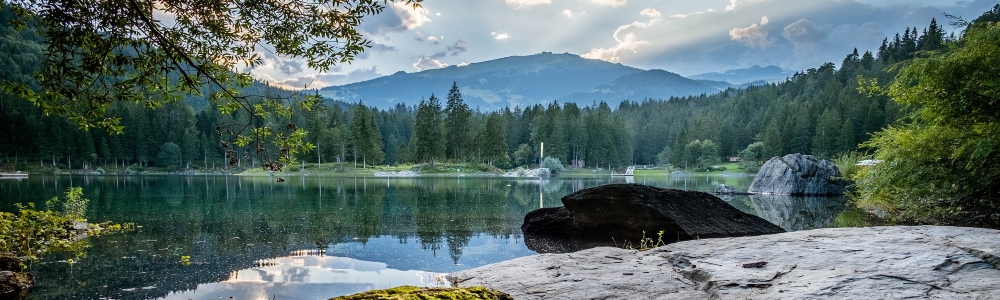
(818, 111)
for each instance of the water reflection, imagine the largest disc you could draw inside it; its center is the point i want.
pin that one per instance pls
(798, 213)
(228, 224)
(309, 277)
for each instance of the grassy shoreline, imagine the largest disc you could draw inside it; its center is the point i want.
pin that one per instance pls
(349, 170)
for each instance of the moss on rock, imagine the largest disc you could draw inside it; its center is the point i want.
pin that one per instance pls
(408, 292)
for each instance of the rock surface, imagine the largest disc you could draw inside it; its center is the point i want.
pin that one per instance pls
(797, 174)
(615, 213)
(725, 190)
(921, 262)
(15, 283)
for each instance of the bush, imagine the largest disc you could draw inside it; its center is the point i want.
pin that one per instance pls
(553, 164)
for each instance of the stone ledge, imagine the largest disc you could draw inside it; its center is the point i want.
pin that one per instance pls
(934, 262)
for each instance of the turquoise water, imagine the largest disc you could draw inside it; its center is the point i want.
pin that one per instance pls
(318, 237)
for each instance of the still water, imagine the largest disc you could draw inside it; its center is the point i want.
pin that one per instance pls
(319, 237)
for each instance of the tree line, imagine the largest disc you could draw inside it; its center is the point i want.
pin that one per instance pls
(817, 111)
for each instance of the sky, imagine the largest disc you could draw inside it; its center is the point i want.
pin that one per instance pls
(685, 37)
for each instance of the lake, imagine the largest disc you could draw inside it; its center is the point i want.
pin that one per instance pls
(319, 237)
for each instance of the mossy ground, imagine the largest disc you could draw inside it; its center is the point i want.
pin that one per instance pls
(408, 292)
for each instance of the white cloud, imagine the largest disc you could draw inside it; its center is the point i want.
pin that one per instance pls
(463, 64)
(612, 3)
(500, 35)
(681, 16)
(649, 12)
(568, 13)
(411, 17)
(398, 17)
(519, 4)
(754, 35)
(627, 41)
(320, 80)
(734, 3)
(804, 32)
(427, 63)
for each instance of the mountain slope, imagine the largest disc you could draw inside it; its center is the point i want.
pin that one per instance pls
(748, 75)
(652, 84)
(523, 81)
(510, 81)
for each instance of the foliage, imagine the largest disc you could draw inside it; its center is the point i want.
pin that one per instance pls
(456, 122)
(553, 164)
(937, 167)
(847, 162)
(703, 154)
(74, 206)
(665, 157)
(169, 155)
(96, 55)
(32, 233)
(408, 292)
(523, 156)
(752, 158)
(816, 111)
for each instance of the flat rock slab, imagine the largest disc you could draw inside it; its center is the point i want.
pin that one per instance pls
(918, 262)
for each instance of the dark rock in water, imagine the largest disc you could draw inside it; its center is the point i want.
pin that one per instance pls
(14, 282)
(10, 262)
(797, 174)
(725, 190)
(616, 213)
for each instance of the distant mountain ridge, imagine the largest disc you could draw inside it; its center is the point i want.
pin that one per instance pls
(752, 74)
(524, 81)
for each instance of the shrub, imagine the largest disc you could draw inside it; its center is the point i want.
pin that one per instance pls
(553, 164)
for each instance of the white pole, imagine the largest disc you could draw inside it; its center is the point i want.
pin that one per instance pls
(541, 153)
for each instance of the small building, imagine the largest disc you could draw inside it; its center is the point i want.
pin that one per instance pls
(734, 159)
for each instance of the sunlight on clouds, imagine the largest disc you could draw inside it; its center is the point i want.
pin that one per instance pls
(734, 3)
(754, 35)
(462, 64)
(649, 12)
(627, 41)
(312, 81)
(612, 3)
(681, 16)
(500, 35)
(568, 13)
(411, 17)
(519, 4)
(427, 63)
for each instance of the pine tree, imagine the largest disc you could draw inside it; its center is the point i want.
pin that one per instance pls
(494, 137)
(427, 138)
(456, 124)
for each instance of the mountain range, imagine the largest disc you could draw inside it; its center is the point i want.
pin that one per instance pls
(538, 79)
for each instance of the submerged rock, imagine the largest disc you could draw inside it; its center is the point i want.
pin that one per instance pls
(616, 213)
(797, 174)
(726, 190)
(923, 262)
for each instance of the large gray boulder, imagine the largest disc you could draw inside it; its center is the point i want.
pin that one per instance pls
(797, 174)
(919, 262)
(616, 213)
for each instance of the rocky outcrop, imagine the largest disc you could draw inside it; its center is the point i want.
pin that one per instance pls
(15, 282)
(921, 262)
(615, 213)
(797, 174)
